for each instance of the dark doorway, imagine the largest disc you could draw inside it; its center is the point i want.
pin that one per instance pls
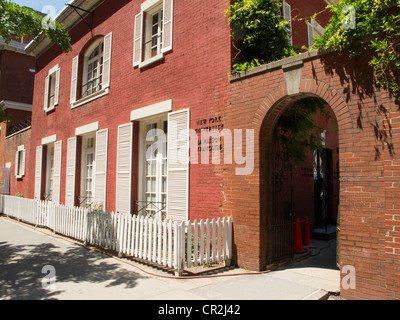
(306, 189)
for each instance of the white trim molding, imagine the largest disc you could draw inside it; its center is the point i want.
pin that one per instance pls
(49, 139)
(91, 127)
(7, 104)
(151, 110)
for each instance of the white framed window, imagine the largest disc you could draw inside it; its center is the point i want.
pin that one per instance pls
(52, 89)
(287, 16)
(48, 166)
(92, 80)
(87, 170)
(49, 190)
(89, 162)
(93, 69)
(153, 32)
(154, 160)
(314, 30)
(20, 162)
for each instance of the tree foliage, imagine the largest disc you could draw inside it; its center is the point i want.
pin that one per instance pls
(21, 21)
(261, 31)
(17, 21)
(376, 26)
(297, 130)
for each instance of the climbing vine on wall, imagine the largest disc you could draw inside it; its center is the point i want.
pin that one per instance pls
(260, 32)
(357, 25)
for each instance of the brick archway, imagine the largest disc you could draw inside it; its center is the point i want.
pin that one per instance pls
(277, 100)
(264, 121)
(369, 132)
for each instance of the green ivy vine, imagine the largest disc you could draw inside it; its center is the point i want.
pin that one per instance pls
(260, 32)
(357, 25)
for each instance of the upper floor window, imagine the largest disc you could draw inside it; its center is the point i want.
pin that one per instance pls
(52, 89)
(93, 70)
(91, 77)
(287, 16)
(153, 32)
(314, 30)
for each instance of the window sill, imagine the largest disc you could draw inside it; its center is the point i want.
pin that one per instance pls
(50, 109)
(151, 60)
(92, 97)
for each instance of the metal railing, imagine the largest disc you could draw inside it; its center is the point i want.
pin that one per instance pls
(95, 83)
(149, 208)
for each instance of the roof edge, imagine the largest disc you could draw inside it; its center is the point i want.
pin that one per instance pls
(66, 16)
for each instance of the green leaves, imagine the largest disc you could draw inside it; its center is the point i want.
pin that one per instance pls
(297, 130)
(261, 31)
(377, 27)
(21, 21)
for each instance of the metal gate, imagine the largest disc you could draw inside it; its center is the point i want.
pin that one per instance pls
(280, 231)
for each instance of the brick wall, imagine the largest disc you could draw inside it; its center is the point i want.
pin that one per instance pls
(183, 76)
(369, 215)
(16, 79)
(20, 185)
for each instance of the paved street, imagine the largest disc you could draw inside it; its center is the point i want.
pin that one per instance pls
(83, 274)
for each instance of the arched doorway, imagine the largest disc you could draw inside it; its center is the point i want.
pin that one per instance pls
(299, 173)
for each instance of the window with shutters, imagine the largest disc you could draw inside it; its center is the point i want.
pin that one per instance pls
(48, 170)
(287, 16)
(154, 162)
(90, 77)
(20, 162)
(87, 170)
(49, 173)
(153, 32)
(314, 30)
(52, 89)
(93, 70)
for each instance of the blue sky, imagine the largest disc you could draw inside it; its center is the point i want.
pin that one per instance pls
(50, 7)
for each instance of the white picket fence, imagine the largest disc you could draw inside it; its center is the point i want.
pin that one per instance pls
(172, 244)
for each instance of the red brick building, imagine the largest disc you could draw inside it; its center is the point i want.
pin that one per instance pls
(165, 65)
(17, 70)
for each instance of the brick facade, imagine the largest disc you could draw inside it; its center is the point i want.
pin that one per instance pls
(196, 75)
(367, 124)
(182, 77)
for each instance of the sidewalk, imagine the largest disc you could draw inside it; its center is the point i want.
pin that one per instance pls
(85, 274)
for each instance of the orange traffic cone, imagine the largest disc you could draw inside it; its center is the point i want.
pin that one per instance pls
(298, 245)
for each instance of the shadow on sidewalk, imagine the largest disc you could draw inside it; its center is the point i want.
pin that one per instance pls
(21, 270)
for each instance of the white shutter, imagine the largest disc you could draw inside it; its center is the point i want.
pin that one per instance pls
(57, 171)
(124, 168)
(57, 88)
(38, 172)
(107, 60)
(46, 94)
(287, 16)
(137, 45)
(178, 165)
(100, 174)
(23, 154)
(310, 34)
(71, 167)
(74, 79)
(168, 17)
(16, 163)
